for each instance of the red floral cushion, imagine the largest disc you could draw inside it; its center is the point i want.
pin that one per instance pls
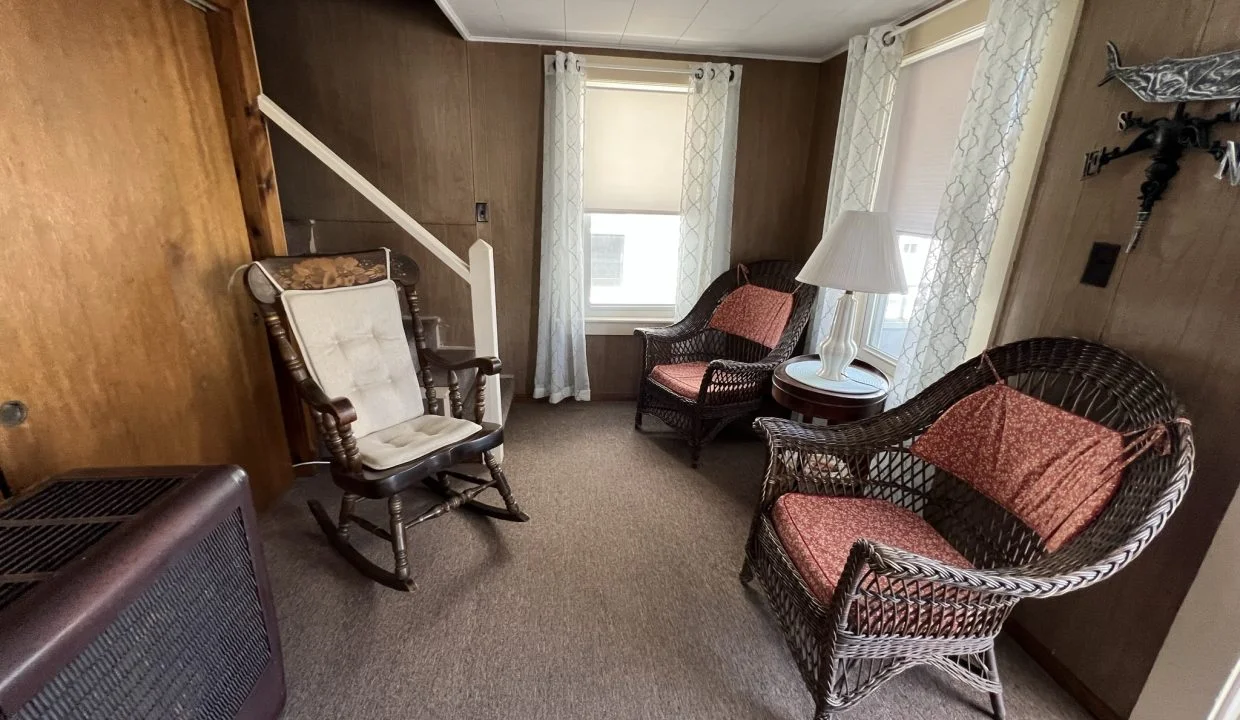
(755, 313)
(1053, 469)
(818, 532)
(684, 379)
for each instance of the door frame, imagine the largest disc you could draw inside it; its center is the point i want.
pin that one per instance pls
(236, 69)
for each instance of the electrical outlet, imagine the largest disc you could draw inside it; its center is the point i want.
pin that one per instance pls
(1100, 265)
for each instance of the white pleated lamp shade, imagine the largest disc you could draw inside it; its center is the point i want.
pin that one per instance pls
(858, 253)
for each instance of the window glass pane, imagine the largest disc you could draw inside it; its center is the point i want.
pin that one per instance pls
(633, 258)
(889, 314)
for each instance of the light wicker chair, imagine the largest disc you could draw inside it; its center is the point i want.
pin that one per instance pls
(738, 373)
(892, 609)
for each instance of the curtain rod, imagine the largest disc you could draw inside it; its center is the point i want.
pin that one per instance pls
(927, 16)
(672, 71)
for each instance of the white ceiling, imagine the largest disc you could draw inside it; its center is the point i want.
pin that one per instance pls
(785, 29)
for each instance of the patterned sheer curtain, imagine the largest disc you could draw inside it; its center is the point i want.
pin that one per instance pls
(865, 113)
(709, 176)
(560, 367)
(1007, 68)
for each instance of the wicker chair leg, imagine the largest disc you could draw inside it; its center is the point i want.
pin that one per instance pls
(746, 571)
(695, 442)
(637, 421)
(996, 698)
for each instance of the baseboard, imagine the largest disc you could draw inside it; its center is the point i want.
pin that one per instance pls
(594, 397)
(1060, 673)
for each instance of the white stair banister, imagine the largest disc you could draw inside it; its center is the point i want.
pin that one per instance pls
(486, 329)
(325, 155)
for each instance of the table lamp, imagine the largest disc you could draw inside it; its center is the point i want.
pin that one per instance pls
(858, 253)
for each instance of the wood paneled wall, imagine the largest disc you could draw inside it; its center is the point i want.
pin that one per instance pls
(438, 123)
(822, 146)
(1172, 303)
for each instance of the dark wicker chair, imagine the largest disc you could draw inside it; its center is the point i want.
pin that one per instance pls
(351, 336)
(738, 374)
(893, 609)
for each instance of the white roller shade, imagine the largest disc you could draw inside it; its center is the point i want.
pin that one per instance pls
(634, 150)
(931, 98)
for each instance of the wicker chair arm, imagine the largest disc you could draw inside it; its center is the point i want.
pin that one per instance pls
(1028, 581)
(340, 409)
(682, 330)
(732, 381)
(910, 596)
(674, 344)
(881, 431)
(760, 369)
(484, 365)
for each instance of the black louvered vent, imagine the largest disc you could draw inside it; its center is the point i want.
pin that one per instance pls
(192, 646)
(39, 534)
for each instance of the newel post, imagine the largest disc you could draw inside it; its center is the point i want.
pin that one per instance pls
(486, 326)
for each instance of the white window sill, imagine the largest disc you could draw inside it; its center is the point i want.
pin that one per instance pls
(622, 326)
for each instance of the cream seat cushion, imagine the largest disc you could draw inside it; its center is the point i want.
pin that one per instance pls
(354, 345)
(412, 439)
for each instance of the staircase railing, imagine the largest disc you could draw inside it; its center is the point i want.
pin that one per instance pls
(479, 272)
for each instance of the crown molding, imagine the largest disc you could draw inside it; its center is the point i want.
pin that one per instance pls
(446, 8)
(454, 19)
(645, 48)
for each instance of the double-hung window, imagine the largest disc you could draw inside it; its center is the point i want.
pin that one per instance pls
(634, 155)
(929, 104)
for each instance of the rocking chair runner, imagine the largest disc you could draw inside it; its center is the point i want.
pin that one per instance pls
(336, 322)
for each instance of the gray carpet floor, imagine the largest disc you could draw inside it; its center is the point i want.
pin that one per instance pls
(619, 599)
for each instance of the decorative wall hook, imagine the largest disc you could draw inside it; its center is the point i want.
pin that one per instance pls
(1214, 77)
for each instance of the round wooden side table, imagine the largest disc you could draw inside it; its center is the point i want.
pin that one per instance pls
(803, 392)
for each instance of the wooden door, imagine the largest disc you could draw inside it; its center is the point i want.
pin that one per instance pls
(120, 225)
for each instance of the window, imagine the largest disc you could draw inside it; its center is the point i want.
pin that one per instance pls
(634, 153)
(930, 99)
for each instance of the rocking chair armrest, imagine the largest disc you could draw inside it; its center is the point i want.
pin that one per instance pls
(484, 365)
(339, 408)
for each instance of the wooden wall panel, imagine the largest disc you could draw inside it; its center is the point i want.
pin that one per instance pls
(1171, 303)
(615, 363)
(822, 147)
(384, 83)
(772, 159)
(506, 84)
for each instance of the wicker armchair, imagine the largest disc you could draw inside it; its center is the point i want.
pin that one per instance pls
(738, 370)
(892, 609)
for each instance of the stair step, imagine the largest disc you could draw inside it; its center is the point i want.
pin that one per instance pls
(432, 329)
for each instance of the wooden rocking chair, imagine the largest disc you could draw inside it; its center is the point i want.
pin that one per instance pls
(336, 322)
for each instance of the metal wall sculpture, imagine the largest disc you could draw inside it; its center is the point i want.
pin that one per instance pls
(1170, 80)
